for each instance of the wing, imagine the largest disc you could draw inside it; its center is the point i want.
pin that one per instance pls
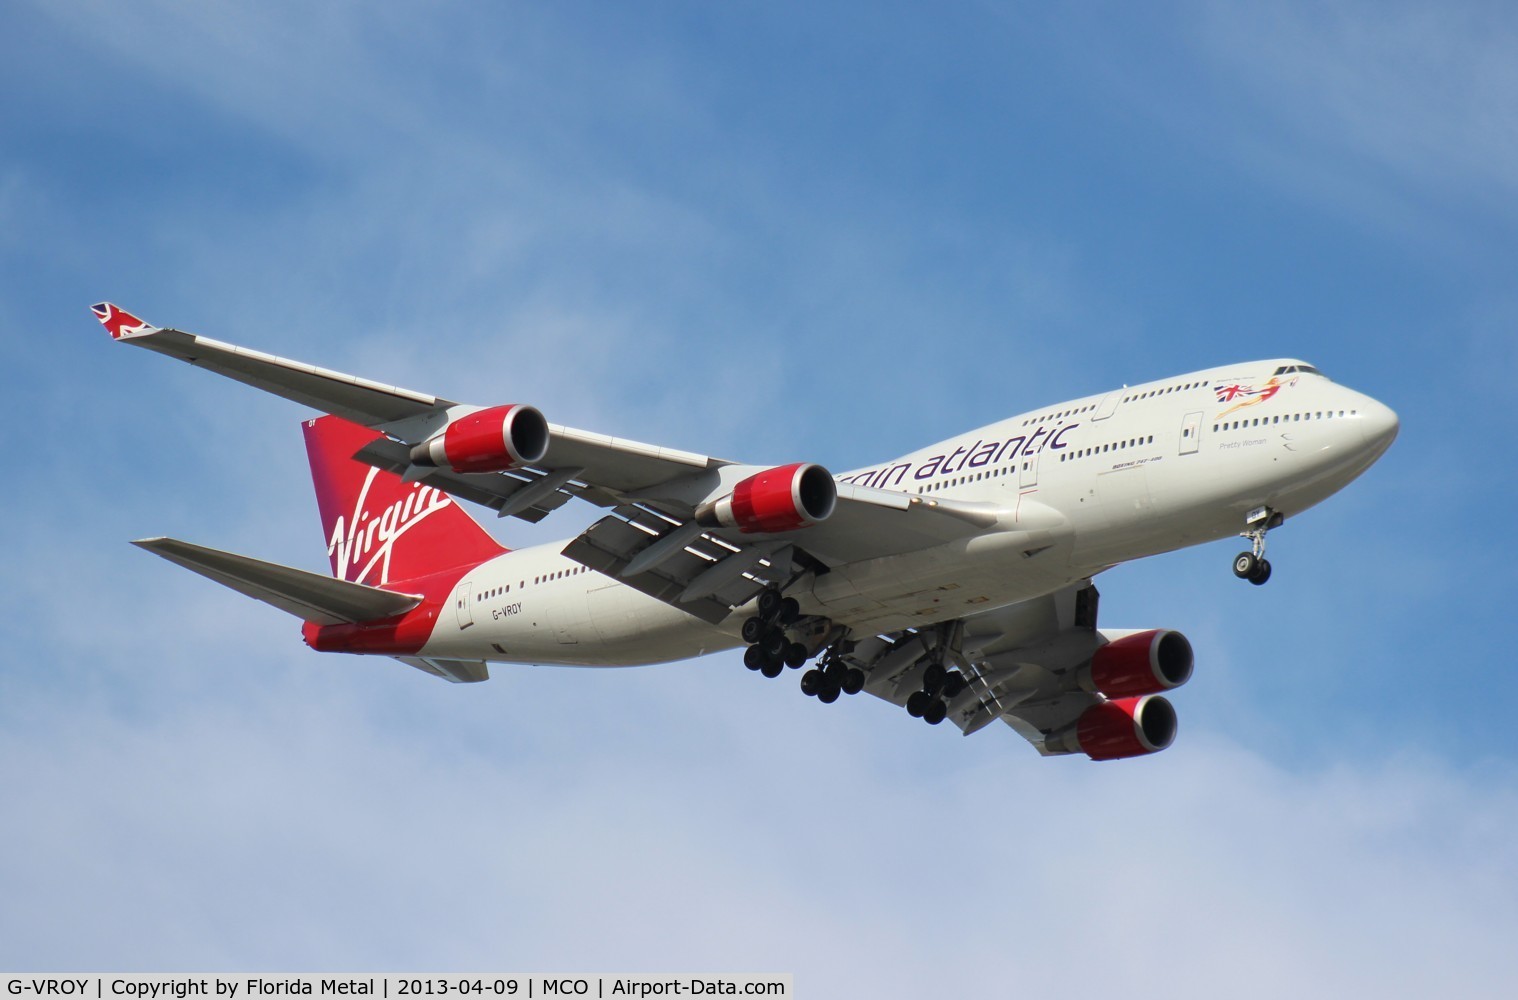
(654, 539)
(1020, 663)
(660, 546)
(594, 466)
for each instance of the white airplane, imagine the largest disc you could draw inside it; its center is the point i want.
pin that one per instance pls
(954, 581)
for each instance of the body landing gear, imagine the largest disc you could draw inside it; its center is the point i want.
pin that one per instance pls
(1252, 565)
(939, 684)
(770, 650)
(832, 677)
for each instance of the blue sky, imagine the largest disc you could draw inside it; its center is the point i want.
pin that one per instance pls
(770, 232)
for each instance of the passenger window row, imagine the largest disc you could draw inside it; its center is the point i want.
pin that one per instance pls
(1283, 418)
(1182, 387)
(1102, 449)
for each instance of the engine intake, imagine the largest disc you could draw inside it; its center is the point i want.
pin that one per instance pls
(780, 499)
(1139, 664)
(494, 439)
(1122, 727)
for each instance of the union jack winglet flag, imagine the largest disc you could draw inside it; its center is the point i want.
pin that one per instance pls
(119, 323)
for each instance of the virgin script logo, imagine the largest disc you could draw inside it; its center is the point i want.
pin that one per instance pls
(360, 543)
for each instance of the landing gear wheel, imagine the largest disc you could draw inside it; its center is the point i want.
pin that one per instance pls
(1245, 565)
(933, 676)
(918, 703)
(769, 603)
(853, 681)
(772, 669)
(935, 712)
(753, 657)
(811, 682)
(753, 629)
(795, 655)
(953, 684)
(789, 611)
(773, 643)
(1261, 572)
(828, 694)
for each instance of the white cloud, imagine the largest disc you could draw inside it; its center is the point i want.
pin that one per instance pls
(314, 827)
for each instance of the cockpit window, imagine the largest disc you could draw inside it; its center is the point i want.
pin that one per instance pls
(1295, 369)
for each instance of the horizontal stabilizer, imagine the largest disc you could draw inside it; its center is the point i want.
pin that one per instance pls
(457, 671)
(309, 596)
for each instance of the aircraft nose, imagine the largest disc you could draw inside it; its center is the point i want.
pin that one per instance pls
(1378, 425)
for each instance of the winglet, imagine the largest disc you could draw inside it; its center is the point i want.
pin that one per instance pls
(119, 323)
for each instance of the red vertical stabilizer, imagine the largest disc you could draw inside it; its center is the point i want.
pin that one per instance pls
(379, 529)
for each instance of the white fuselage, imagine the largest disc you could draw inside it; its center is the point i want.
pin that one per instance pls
(1086, 484)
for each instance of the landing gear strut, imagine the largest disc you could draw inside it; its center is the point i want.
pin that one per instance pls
(1252, 565)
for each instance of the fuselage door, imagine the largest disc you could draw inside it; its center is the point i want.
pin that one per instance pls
(1108, 405)
(463, 603)
(1191, 432)
(1029, 471)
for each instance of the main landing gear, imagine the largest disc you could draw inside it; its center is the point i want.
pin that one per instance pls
(770, 651)
(1252, 565)
(832, 677)
(939, 684)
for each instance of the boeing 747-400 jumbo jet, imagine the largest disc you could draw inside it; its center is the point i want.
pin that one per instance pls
(954, 581)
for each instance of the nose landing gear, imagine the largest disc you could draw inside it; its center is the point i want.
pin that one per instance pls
(1252, 565)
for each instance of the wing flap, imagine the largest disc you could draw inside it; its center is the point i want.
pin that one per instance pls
(705, 575)
(500, 491)
(309, 596)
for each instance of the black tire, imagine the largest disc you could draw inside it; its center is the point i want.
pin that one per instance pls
(773, 643)
(1244, 565)
(853, 681)
(811, 682)
(1261, 573)
(769, 603)
(954, 684)
(753, 657)
(795, 655)
(789, 611)
(933, 676)
(828, 694)
(918, 703)
(772, 669)
(935, 712)
(753, 629)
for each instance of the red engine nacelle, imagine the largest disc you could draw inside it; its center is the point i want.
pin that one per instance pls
(1138, 664)
(1123, 727)
(779, 499)
(494, 439)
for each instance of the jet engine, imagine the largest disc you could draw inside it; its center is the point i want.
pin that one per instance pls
(1138, 664)
(779, 499)
(494, 439)
(1122, 727)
